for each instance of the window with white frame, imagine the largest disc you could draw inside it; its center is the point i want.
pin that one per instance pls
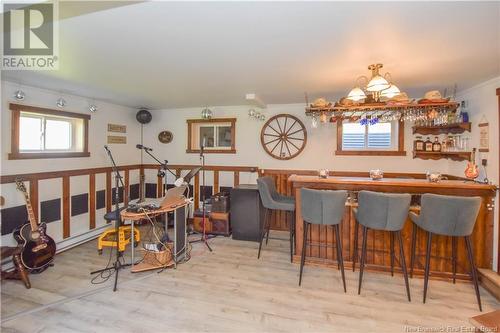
(46, 133)
(39, 132)
(379, 136)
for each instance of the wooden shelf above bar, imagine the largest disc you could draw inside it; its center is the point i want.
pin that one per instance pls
(445, 129)
(451, 106)
(452, 155)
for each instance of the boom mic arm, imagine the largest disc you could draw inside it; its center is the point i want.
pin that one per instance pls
(139, 146)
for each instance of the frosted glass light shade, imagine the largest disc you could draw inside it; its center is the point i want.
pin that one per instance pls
(377, 83)
(390, 92)
(356, 94)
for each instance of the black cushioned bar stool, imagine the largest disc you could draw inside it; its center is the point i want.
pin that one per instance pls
(272, 200)
(448, 216)
(382, 211)
(322, 207)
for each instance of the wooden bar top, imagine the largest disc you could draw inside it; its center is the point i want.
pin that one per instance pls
(394, 183)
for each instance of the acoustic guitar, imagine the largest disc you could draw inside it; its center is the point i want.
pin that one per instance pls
(38, 248)
(472, 171)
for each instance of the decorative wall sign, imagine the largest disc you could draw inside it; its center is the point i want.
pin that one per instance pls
(283, 136)
(484, 140)
(165, 137)
(117, 139)
(117, 128)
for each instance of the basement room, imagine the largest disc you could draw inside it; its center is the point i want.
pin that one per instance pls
(250, 166)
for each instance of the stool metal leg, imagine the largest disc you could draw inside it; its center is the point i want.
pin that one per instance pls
(290, 227)
(264, 230)
(403, 263)
(412, 250)
(427, 263)
(340, 259)
(363, 258)
(268, 225)
(454, 257)
(303, 255)
(355, 251)
(392, 252)
(473, 270)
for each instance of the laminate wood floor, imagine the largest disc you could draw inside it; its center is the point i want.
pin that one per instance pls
(229, 290)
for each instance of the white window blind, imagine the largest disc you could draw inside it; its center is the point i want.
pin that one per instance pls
(367, 137)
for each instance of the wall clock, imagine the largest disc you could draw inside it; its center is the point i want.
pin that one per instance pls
(283, 136)
(165, 137)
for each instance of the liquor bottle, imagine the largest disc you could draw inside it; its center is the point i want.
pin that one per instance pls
(436, 146)
(428, 144)
(419, 144)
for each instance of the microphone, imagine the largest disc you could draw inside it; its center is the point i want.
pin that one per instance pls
(138, 146)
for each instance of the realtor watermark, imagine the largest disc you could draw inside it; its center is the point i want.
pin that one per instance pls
(31, 36)
(447, 329)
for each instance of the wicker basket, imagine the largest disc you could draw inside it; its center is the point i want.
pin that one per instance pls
(161, 258)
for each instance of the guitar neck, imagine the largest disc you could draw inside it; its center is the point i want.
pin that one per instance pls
(31, 214)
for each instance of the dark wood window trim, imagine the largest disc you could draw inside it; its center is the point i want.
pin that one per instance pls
(401, 144)
(15, 154)
(190, 123)
(498, 128)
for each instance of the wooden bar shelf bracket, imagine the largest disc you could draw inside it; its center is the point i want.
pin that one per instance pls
(458, 128)
(452, 155)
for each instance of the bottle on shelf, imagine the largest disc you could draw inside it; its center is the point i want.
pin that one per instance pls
(428, 144)
(419, 144)
(444, 144)
(436, 146)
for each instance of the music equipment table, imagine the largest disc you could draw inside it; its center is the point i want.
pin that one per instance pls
(176, 205)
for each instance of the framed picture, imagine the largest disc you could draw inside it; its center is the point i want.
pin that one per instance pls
(484, 140)
(117, 128)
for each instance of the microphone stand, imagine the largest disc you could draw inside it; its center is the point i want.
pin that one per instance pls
(119, 255)
(162, 169)
(204, 237)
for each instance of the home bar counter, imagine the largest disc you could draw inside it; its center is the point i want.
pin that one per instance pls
(378, 244)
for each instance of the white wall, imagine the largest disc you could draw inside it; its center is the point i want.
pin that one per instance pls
(483, 105)
(319, 152)
(52, 188)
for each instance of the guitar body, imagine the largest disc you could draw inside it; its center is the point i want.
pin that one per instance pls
(472, 171)
(38, 248)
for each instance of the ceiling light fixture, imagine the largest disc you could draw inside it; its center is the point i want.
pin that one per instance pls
(61, 102)
(377, 86)
(19, 95)
(206, 113)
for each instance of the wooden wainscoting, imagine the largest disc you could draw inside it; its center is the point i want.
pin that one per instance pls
(65, 175)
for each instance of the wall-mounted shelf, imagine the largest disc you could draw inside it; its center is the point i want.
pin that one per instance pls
(452, 155)
(444, 129)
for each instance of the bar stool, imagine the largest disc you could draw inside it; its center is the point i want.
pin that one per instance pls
(322, 207)
(272, 200)
(448, 216)
(387, 212)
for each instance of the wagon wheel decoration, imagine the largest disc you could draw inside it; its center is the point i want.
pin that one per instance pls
(283, 136)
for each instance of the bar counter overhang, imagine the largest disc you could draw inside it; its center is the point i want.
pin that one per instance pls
(378, 254)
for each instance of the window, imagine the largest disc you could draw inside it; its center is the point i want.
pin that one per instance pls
(215, 135)
(377, 139)
(46, 133)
